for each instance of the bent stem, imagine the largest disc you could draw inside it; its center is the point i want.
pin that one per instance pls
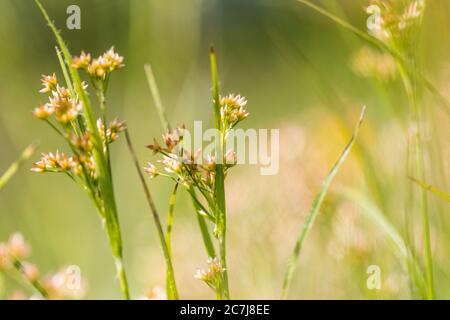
(419, 163)
(171, 284)
(317, 203)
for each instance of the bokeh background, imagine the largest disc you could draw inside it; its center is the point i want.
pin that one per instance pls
(300, 74)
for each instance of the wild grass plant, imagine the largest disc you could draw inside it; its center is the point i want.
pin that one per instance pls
(70, 114)
(78, 112)
(394, 28)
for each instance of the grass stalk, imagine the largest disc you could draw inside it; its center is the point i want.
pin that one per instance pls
(438, 192)
(156, 97)
(315, 208)
(13, 168)
(36, 284)
(171, 284)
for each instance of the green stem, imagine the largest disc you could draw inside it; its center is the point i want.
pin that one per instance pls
(35, 283)
(219, 185)
(171, 284)
(156, 97)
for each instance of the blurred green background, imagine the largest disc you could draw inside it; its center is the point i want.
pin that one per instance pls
(295, 68)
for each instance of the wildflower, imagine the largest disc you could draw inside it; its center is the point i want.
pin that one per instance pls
(232, 109)
(115, 127)
(155, 147)
(156, 293)
(212, 274)
(59, 162)
(169, 141)
(64, 162)
(151, 170)
(65, 284)
(95, 69)
(83, 142)
(411, 14)
(30, 271)
(112, 132)
(82, 62)
(105, 64)
(47, 163)
(172, 165)
(44, 111)
(393, 18)
(65, 107)
(230, 158)
(233, 102)
(49, 83)
(370, 63)
(17, 247)
(112, 60)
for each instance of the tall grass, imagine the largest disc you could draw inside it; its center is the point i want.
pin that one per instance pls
(315, 208)
(105, 203)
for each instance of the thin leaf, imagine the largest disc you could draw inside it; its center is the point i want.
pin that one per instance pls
(315, 208)
(440, 193)
(156, 97)
(105, 179)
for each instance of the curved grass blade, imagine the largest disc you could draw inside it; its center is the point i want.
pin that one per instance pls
(309, 222)
(156, 97)
(12, 170)
(172, 292)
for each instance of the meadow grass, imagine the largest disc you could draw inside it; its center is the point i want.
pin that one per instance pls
(72, 116)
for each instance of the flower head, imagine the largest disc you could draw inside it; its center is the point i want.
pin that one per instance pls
(44, 111)
(108, 62)
(151, 170)
(212, 275)
(30, 271)
(232, 109)
(64, 105)
(49, 83)
(83, 61)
